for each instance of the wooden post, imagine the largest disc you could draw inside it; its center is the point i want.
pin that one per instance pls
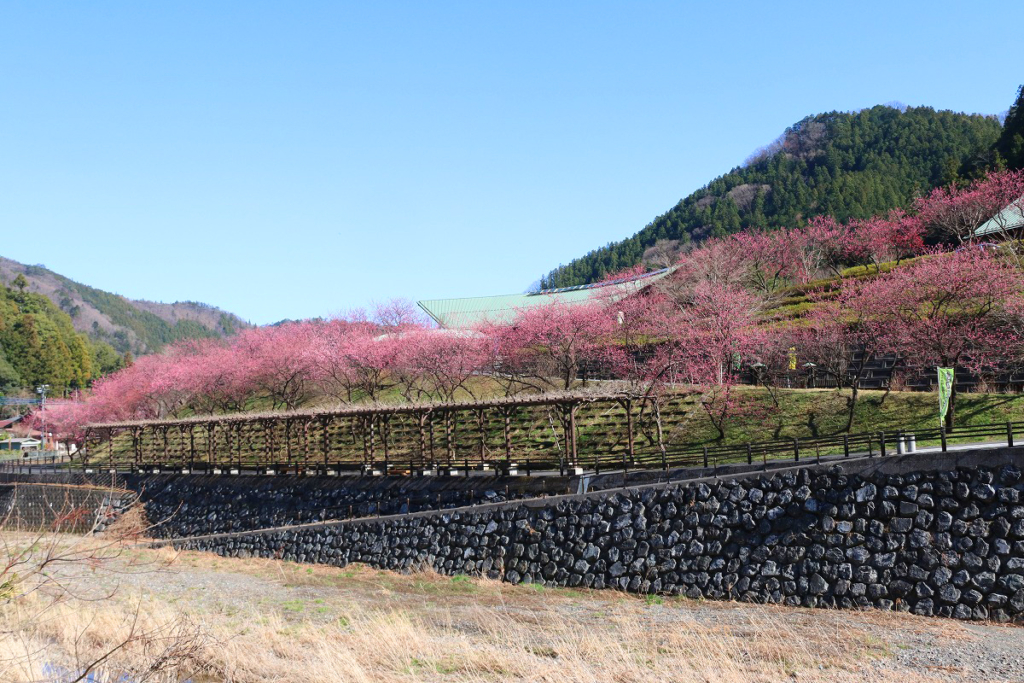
(364, 432)
(268, 441)
(137, 445)
(430, 436)
(305, 442)
(211, 441)
(373, 437)
(326, 444)
(180, 459)
(507, 432)
(191, 447)
(572, 434)
(483, 434)
(627, 405)
(422, 434)
(288, 441)
(449, 433)
(228, 442)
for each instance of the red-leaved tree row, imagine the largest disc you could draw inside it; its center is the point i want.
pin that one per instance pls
(704, 326)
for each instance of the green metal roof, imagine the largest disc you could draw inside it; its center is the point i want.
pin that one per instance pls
(463, 313)
(1010, 218)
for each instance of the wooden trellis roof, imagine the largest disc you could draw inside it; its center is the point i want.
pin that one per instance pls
(544, 428)
(372, 409)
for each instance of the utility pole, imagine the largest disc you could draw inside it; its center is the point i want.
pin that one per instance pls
(41, 390)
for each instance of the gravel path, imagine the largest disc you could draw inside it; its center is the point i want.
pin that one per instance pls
(986, 653)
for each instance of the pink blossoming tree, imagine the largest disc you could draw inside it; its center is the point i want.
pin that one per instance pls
(941, 311)
(550, 346)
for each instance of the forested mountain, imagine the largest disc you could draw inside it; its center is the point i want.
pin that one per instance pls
(39, 345)
(849, 165)
(56, 331)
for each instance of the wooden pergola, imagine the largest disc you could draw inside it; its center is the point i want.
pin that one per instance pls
(560, 431)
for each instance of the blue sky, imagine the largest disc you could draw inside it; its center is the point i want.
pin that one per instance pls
(296, 159)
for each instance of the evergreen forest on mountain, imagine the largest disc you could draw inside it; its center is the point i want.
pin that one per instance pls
(63, 333)
(840, 164)
(39, 344)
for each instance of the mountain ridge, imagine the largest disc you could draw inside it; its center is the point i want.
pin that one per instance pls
(849, 165)
(133, 326)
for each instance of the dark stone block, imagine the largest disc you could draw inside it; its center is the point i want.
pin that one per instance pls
(907, 509)
(971, 597)
(901, 525)
(866, 493)
(858, 555)
(949, 593)
(923, 607)
(983, 492)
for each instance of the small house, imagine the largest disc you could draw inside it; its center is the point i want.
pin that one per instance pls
(21, 444)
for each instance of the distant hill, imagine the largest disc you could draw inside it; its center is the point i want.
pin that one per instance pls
(127, 325)
(39, 345)
(850, 165)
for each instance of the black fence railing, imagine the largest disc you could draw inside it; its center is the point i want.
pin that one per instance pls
(36, 463)
(881, 443)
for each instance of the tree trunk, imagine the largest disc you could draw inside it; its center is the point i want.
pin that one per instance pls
(851, 403)
(719, 424)
(885, 394)
(661, 435)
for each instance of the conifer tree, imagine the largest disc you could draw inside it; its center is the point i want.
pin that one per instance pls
(1011, 142)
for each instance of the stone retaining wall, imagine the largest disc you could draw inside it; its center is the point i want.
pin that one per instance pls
(936, 534)
(74, 509)
(182, 505)
(193, 505)
(187, 505)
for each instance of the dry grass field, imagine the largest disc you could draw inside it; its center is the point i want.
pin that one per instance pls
(155, 615)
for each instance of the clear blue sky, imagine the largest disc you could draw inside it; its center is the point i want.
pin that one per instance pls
(295, 159)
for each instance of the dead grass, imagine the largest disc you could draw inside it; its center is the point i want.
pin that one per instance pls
(46, 640)
(132, 525)
(251, 621)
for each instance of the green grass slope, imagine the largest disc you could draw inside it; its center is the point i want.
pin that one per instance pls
(814, 413)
